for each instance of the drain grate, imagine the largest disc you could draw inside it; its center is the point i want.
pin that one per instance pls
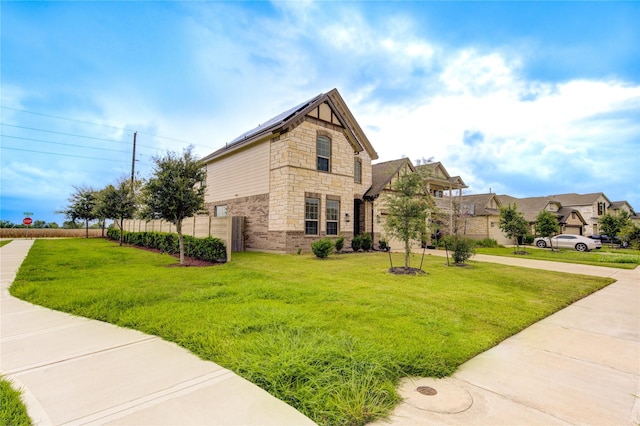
(426, 390)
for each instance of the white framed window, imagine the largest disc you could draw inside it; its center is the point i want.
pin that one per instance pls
(357, 170)
(323, 152)
(311, 216)
(220, 211)
(333, 215)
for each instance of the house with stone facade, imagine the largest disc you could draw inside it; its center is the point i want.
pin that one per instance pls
(570, 220)
(591, 207)
(298, 177)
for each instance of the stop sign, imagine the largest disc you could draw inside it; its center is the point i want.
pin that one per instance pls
(27, 221)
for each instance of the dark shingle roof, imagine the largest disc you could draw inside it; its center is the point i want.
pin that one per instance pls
(293, 116)
(382, 173)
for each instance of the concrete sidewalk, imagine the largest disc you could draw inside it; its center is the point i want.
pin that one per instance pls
(580, 365)
(76, 371)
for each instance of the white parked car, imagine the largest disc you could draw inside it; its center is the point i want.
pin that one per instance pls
(577, 242)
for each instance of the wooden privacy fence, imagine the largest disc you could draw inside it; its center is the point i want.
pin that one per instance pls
(229, 229)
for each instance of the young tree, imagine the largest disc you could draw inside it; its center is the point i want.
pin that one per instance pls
(81, 206)
(119, 202)
(408, 204)
(176, 190)
(547, 224)
(513, 224)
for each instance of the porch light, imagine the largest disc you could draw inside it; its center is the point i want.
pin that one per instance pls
(346, 217)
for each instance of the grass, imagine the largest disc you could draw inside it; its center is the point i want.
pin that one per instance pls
(330, 337)
(610, 257)
(12, 411)
(4, 242)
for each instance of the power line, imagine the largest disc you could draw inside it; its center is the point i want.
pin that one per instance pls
(62, 155)
(101, 125)
(74, 135)
(61, 143)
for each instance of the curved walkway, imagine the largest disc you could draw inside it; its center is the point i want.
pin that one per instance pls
(76, 371)
(580, 365)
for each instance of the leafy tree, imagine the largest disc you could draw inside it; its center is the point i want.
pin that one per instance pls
(82, 204)
(546, 224)
(630, 234)
(513, 224)
(176, 190)
(6, 224)
(119, 202)
(611, 225)
(38, 224)
(408, 204)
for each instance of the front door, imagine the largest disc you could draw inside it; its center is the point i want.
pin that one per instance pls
(357, 209)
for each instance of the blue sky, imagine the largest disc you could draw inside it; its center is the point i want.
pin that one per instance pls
(520, 98)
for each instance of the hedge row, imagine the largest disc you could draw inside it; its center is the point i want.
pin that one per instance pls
(208, 249)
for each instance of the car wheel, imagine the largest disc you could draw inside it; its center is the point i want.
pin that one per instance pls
(581, 247)
(541, 244)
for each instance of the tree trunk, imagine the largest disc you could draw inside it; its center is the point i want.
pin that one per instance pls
(406, 254)
(180, 241)
(86, 228)
(121, 231)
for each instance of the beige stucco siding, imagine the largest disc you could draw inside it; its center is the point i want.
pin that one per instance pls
(243, 174)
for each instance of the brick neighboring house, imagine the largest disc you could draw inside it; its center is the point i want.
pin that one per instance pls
(481, 217)
(300, 176)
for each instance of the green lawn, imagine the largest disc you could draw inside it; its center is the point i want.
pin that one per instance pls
(12, 410)
(4, 242)
(331, 337)
(610, 257)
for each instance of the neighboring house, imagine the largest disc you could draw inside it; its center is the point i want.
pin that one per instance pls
(300, 176)
(480, 217)
(570, 219)
(617, 207)
(591, 207)
(445, 189)
(384, 175)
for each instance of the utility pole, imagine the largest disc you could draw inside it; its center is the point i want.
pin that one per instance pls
(133, 160)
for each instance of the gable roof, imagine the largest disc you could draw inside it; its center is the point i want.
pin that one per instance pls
(476, 204)
(442, 177)
(382, 173)
(292, 117)
(532, 206)
(573, 199)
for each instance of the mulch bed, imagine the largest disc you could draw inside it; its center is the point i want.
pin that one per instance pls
(401, 270)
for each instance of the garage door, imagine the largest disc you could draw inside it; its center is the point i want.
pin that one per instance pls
(573, 230)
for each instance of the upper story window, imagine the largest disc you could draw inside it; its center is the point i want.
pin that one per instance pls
(601, 208)
(311, 215)
(357, 170)
(323, 151)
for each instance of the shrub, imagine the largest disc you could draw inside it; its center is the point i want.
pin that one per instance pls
(367, 242)
(528, 239)
(462, 250)
(487, 242)
(339, 244)
(208, 249)
(322, 248)
(356, 242)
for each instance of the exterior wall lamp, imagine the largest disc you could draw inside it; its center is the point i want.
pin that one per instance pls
(346, 217)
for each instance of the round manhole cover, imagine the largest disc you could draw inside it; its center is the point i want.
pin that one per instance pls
(426, 390)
